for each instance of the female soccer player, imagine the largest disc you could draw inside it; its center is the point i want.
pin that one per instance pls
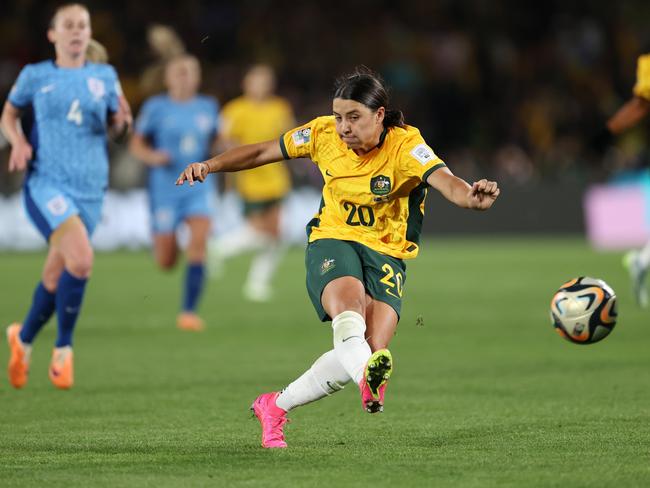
(65, 105)
(171, 129)
(627, 116)
(258, 115)
(376, 171)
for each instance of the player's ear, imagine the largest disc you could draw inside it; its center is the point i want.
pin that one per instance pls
(380, 114)
(51, 35)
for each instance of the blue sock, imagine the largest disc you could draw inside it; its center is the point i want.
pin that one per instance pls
(194, 279)
(40, 312)
(69, 296)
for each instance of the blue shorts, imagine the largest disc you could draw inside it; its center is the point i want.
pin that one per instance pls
(48, 205)
(170, 209)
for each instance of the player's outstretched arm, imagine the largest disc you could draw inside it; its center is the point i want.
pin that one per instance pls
(236, 159)
(21, 150)
(478, 196)
(629, 115)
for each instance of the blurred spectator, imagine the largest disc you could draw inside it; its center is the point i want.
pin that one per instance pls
(479, 78)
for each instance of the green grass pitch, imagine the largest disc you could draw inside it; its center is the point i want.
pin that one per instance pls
(484, 393)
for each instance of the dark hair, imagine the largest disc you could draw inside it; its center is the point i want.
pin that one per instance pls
(366, 87)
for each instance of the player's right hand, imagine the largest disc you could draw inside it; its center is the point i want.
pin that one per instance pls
(21, 154)
(194, 172)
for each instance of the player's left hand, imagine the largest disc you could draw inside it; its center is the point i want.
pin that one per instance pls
(483, 194)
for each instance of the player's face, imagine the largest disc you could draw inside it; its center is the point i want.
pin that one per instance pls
(259, 83)
(357, 125)
(70, 32)
(183, 76)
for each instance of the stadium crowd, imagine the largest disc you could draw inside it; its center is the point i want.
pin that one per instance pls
(511, 88)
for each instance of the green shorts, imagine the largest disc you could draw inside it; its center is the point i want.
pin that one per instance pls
(261, 206)
(328, 259)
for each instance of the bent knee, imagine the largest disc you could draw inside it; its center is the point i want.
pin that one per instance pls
(166, 263)
(81, 265)
(50, 279)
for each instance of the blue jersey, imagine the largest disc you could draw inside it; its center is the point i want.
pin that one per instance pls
(185, 130)
(70, 109)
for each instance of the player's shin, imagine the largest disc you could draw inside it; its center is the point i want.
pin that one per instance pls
(193, 286)
(325, 377)
(258, 282)
(69, 296)
(350, 344)
(42, 308)
(644, 256)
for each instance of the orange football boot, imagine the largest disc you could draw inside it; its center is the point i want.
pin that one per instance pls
(190, 321)
(61, 368)
(18, 368)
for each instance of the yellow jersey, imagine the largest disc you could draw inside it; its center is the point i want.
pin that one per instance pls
(642, 86)
(376, 199)
(246, 121)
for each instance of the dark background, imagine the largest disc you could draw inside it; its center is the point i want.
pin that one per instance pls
(509, 90)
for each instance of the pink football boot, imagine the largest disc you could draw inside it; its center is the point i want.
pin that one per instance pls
(373, 385)
(272, 419)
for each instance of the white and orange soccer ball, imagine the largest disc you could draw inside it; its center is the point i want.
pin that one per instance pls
(583, 310)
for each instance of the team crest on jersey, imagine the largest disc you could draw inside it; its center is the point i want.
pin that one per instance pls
(203, 122)
(96, 87)
(302, 136)
(327, 265)
(57, 205)
(423, 153)
(380, 185)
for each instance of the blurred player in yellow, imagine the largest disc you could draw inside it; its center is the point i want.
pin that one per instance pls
(376, 171)
(258, 115)
(630, 114)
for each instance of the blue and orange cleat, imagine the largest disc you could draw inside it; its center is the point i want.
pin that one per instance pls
(62, 368)
(373, 385)
(272, 419)
(18, 369)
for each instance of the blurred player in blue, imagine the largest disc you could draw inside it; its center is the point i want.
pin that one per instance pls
(172, 129)
(67, 106)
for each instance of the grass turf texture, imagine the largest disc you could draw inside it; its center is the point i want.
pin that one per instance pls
(484, 392)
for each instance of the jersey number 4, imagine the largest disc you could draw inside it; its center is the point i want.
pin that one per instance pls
(74, 114)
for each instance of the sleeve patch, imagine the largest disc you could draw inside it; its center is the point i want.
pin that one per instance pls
(423, 153)
(302, 136)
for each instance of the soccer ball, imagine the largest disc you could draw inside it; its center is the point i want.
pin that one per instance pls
(583, 310)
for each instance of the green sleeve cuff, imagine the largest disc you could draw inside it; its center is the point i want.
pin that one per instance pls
(283, 148)
(428, 172)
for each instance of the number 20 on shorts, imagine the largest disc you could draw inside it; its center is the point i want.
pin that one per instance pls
(392, 280)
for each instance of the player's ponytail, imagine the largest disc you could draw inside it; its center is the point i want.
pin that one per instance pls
(394, 118)
(366, 87)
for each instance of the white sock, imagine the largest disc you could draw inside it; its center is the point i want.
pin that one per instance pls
(264, 265)
(350, 344)
(644, 256)
(242, 239)
(325, 377)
